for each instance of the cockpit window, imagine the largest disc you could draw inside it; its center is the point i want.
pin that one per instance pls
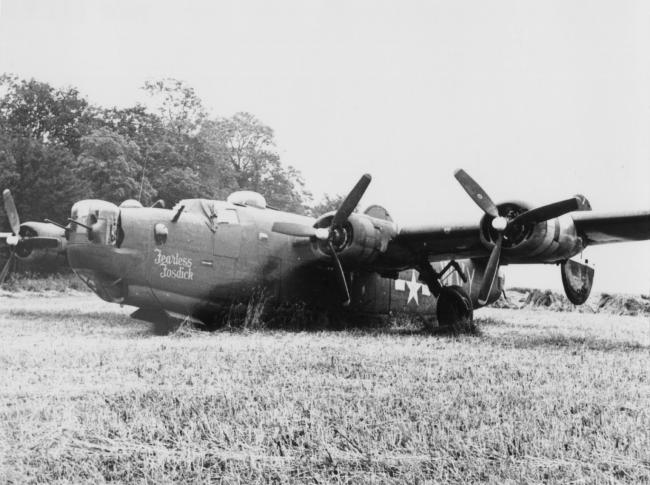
(227, 216)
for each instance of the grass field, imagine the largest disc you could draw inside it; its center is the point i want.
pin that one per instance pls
(89, 395)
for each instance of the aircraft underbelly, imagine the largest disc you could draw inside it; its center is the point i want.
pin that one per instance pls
(370, 293)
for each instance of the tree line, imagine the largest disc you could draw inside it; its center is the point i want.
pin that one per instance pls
(56, 148)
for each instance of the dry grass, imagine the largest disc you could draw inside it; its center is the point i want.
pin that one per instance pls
(88, 395)
(615, 304)
(43, 284)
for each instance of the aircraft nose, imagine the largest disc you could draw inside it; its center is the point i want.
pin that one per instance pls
(94, 221)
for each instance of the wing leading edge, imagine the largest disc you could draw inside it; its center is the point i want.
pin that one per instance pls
(605, 228)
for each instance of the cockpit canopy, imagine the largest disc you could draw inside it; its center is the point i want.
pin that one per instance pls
(131, 204)
(247, 198)
(206, 207)
(215, 212)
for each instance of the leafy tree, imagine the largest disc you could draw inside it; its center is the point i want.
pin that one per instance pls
(108, 165)
(40, 177)
(56, 148)
(178, 184)
(134, 123)
(177, 104)
(245, 146)
(327, 204)
(36, 110)
(165, 154)
(174, 176)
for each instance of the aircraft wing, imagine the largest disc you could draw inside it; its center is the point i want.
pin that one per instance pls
(605, 228)
(438, 242)
(458, 241)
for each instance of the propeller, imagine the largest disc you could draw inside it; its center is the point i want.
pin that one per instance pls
(502, 225)
(10, 238)
(335, 235)
(11, 211)
(15, 240)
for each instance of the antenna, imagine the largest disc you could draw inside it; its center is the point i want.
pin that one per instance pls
(144, 168)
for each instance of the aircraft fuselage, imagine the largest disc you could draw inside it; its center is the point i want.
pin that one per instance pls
(217, 253)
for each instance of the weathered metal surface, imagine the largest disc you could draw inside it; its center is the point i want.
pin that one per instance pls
(214, 253)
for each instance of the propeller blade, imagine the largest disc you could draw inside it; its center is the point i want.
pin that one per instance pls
(293, 229)
(476, 192)
(12, 213)
(351, 201)
(491, 271)
(340, 275)
(38, 243)
(7, 267)
(546, 212)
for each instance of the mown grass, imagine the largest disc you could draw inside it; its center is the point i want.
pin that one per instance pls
(88, 395)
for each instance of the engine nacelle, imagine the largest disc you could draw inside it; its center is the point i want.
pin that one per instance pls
(42, 259)
(551, 241)
(361, 240)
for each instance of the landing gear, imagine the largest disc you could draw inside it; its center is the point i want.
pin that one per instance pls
(455, 310)
(432, 277)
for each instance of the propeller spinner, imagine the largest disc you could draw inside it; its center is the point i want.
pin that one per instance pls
(504, 225)
(335, 235)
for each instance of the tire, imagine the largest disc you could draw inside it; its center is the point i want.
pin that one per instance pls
(455, 310)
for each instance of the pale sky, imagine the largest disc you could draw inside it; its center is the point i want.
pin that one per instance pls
(536, 100)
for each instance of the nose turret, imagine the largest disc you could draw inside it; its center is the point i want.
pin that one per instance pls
(95, 221)
(93, 240)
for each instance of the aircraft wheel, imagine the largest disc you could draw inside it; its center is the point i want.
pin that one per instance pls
(455, 310)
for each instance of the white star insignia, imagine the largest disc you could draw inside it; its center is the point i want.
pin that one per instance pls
(413, 286)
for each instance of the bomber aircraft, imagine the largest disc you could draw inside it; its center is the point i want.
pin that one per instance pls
(203, 255)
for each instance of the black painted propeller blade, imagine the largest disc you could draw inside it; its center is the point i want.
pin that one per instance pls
(491, 271)
(476, 192)
(293, 229)
(10, 210)
(329, 233)
(340, 274)
(37, 242)
(6, 268)
(351, 201)
(546, 212)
